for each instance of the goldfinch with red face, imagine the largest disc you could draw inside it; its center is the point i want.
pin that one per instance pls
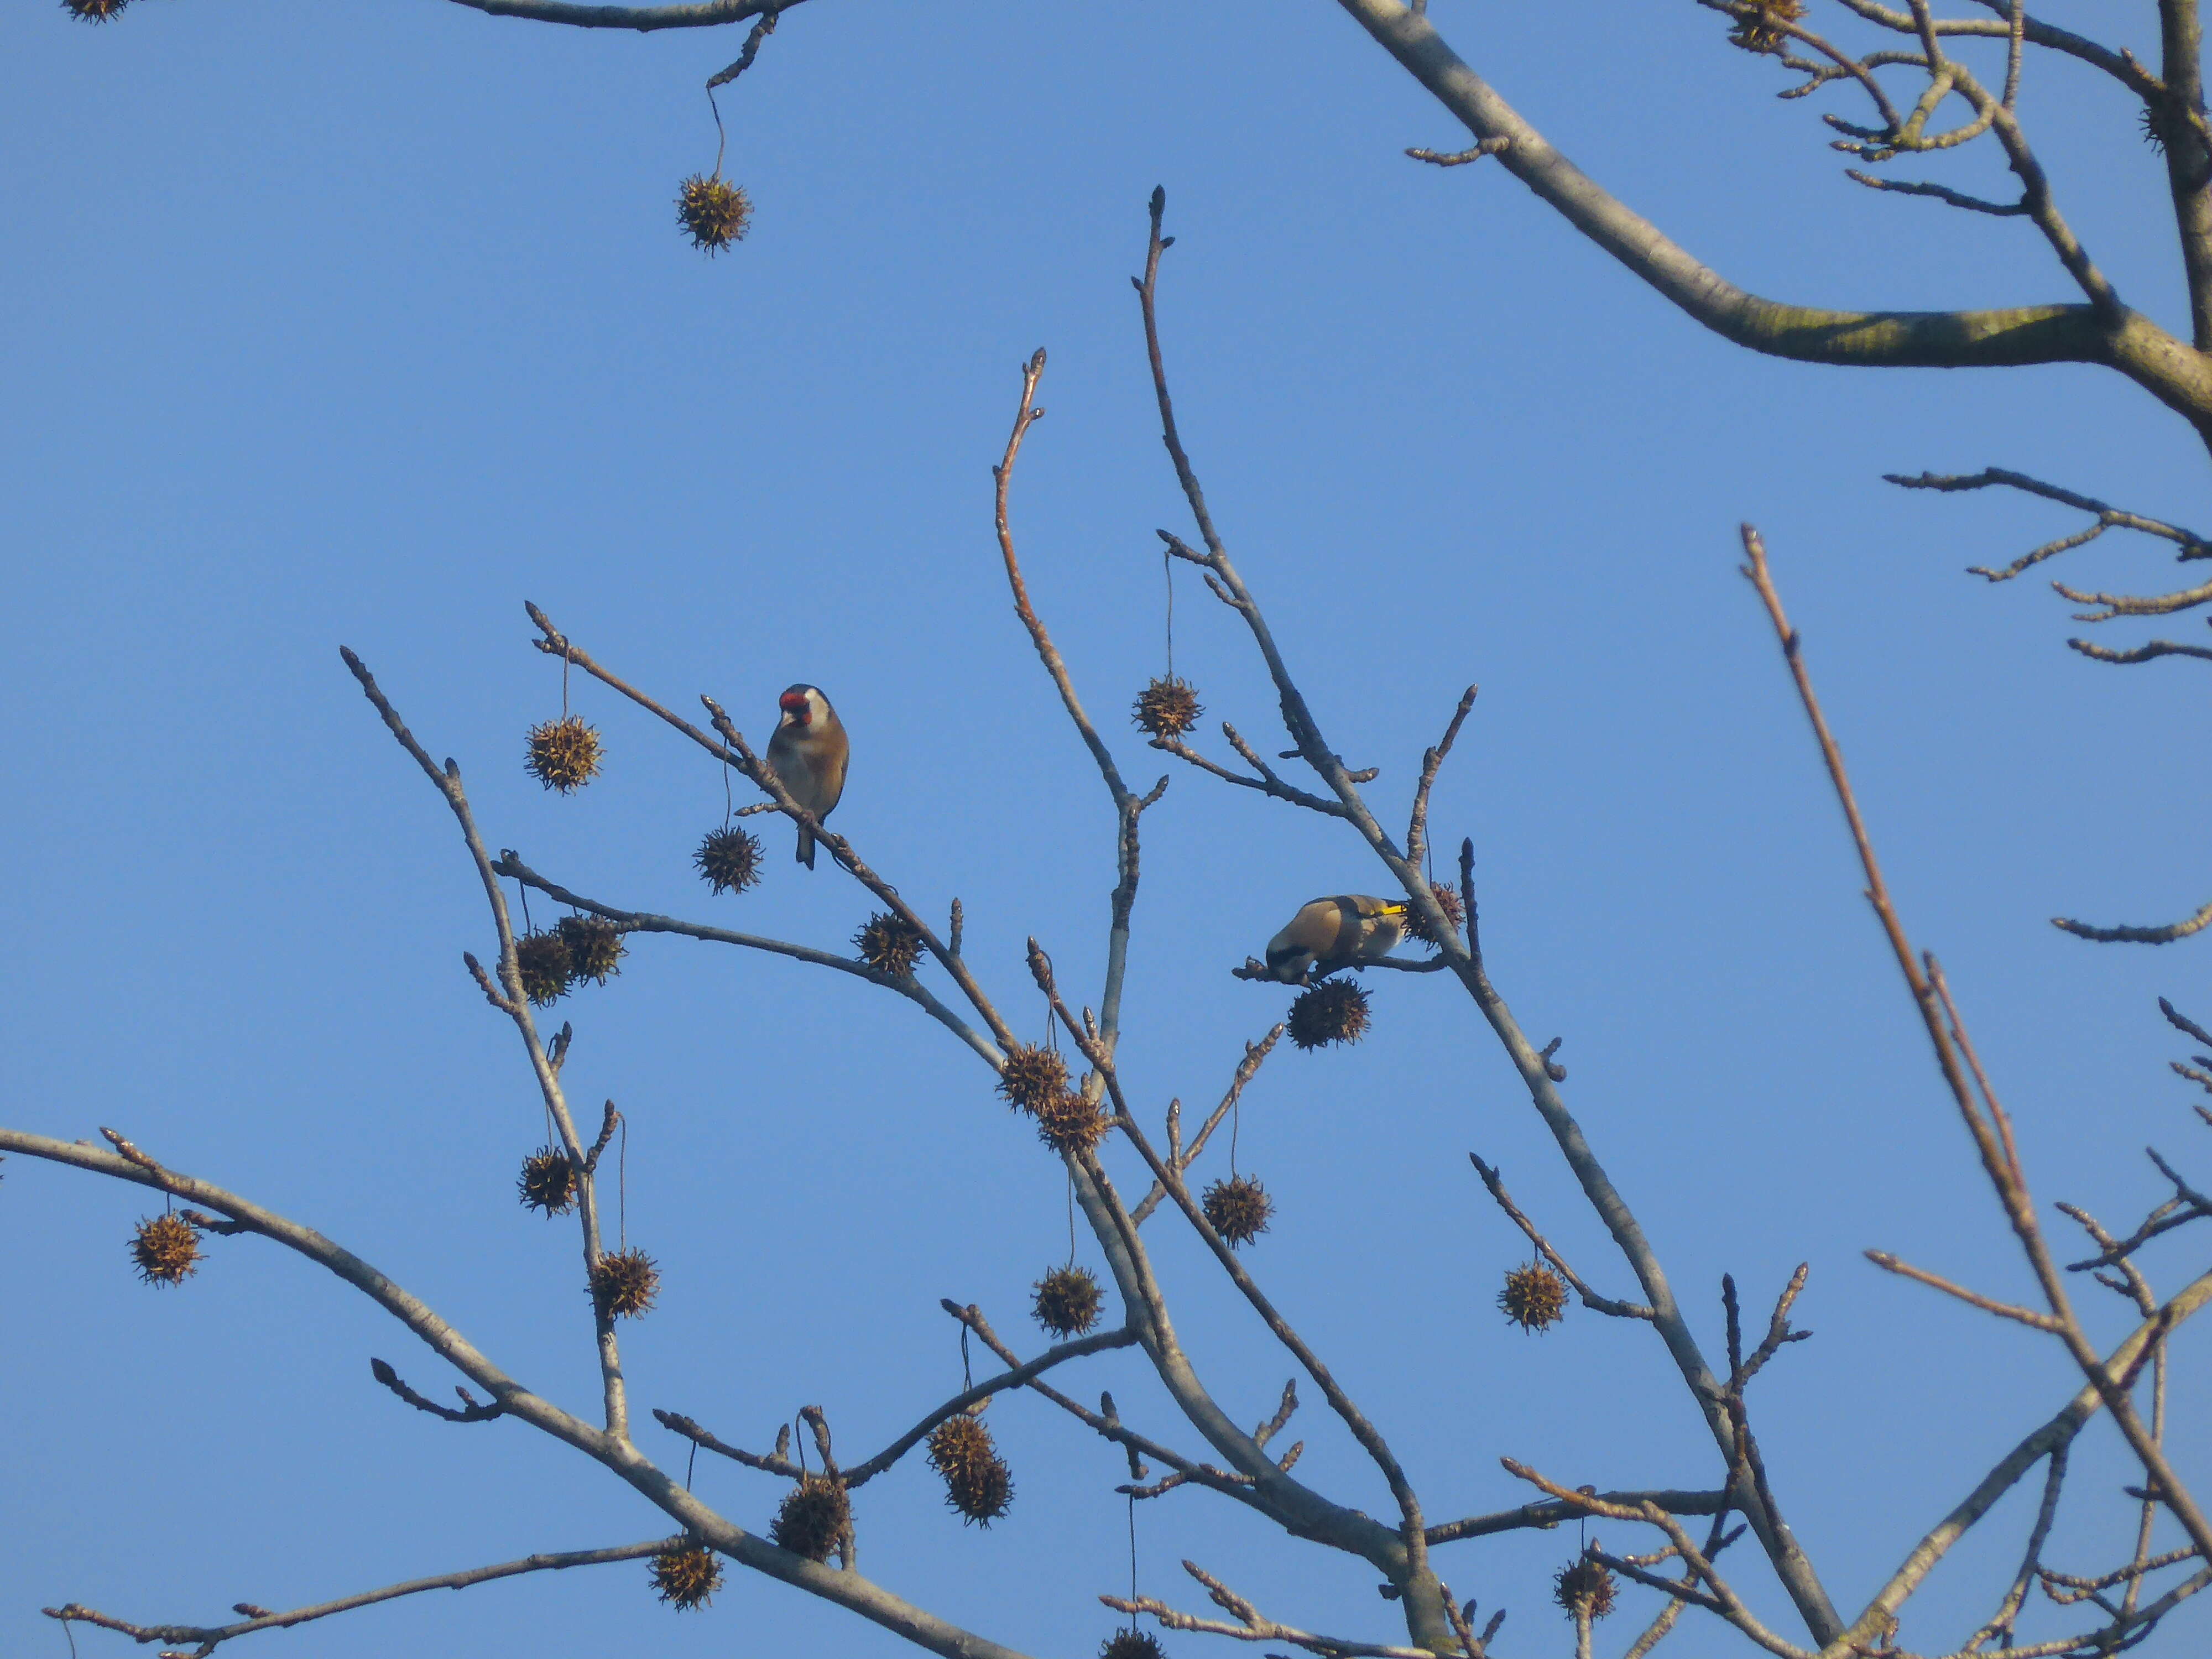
(1329, 933)
(808, 753)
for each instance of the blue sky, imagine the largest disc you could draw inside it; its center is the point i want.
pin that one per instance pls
(362, 324)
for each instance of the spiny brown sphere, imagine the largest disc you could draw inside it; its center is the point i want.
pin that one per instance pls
(1167, 708)
(1032, 1077)
(1069, 1123)
(1535, 1297)
(978, 1482)
(1583, 1586)
(564, 754)
(1759, 28)
(548, 1182)
(94, 11)
(1447, 898)
(890, 944)
(714, 211)
(1334, 1011)
(729, 860)
(1238, 1208)
(625, 1283)
(1067, 1301)
(543, 960)
(595, 947)
(1131, 1645)
(687, 1576)
(811, 1517)
(166, 1249)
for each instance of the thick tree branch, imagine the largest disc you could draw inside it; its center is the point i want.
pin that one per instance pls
(2177, 116)
(2172, 370)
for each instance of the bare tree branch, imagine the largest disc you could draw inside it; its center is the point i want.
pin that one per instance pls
(707, 14)
(2099, 332)
(1984, 1114)
(211, 1637)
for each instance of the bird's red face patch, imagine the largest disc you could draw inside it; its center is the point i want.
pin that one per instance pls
(793, 703)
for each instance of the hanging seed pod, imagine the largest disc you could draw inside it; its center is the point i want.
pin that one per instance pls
(595, 948)
(1535, 1297)
(166, 1249)
(543, 960)
(1583, 1587)
(889, 943)
(812, 1517)
(729, 860)
(625, 1283)
(1761, 30)
(1238, 1208)
(564, 754)
(978, 1482)
(94, 11)
(1334, 1011)
(713, 212)
(1448, 901)
(687, 1576)
(1167, 708)
(548, 1182)
(1067, 1301)
(1131, 1645)
(1069, 1123)
(1032, 1077)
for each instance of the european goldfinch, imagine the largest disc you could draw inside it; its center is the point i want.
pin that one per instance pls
(808, 753)
(1329, 933)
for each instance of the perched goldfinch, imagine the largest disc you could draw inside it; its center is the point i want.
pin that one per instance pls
(808, 753)
(1329, 933)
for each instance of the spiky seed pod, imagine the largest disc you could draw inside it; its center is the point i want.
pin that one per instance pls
(2153, 128)
(548, 1182)
(543, 960)
(1334, 1011)
(625, 1283)
(978, 1482)
(687, 1576)
(713, 212)
(1131, 1645)
(1238, 1208)
(1535, 1297)
(595, 947)
(94, 11)
(166, 1249)
(811, 1517)
(1067, 1301)
(1069, 1123)
(889, 943)
(1167, 708)
(1032, 1077)
(1758, 26)
(564, 754)
(729, 859)
(1448, 901)
(1583, 1587)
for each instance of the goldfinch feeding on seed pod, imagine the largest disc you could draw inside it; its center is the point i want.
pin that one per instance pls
(808, 753)
(1329, 933)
